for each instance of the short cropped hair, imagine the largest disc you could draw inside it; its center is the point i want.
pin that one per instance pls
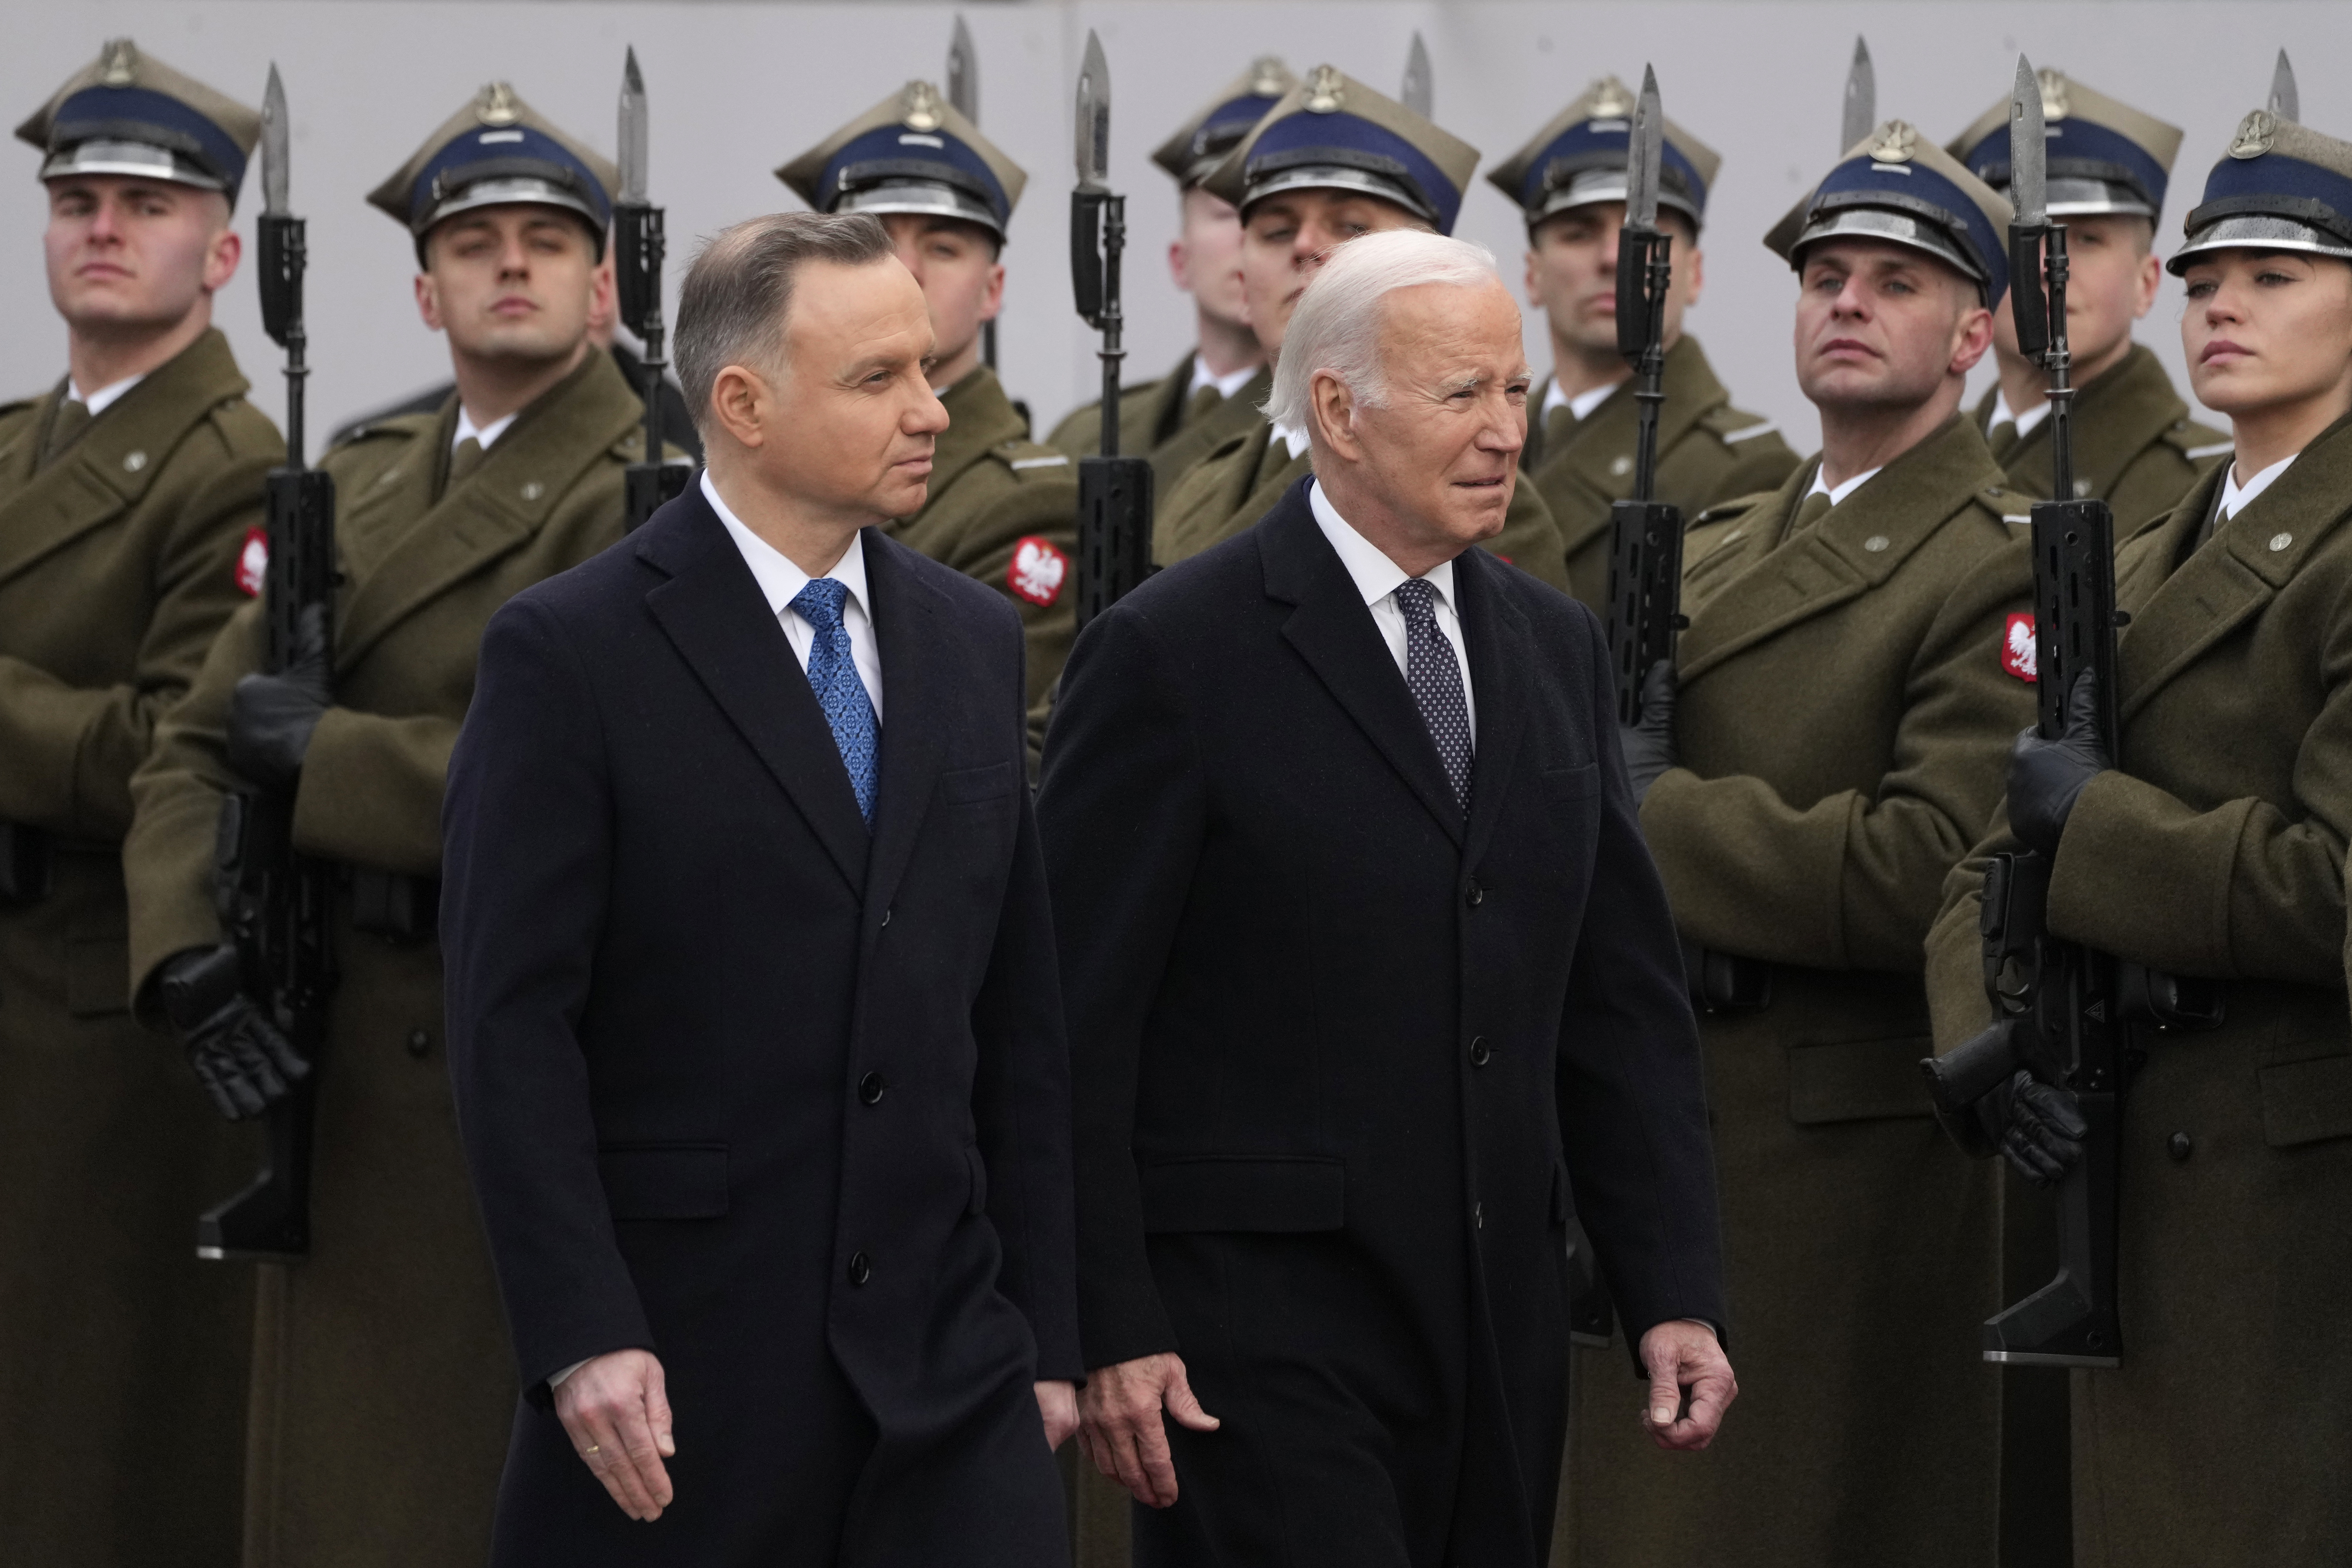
(1336, 326)
(732, 308)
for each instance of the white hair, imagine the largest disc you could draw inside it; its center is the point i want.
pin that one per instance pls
(1336, 326)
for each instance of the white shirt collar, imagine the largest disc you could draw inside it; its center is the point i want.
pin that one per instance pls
(780, 581)
(1581, 405)
(484, 435)
(1227, 384)
(2003, 414)
(1375, 575)
(105, 397)
(1837, 493)
(1294, 439)
(2235, 496)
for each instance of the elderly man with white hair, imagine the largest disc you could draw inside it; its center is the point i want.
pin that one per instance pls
(1366, 970)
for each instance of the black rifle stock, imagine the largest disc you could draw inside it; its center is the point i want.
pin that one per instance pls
(277, 905)
(1114, 492)
(639, 247)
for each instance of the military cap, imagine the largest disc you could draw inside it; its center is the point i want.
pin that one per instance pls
(2281, 186)
(912, 153)
(496, 151)
(1580, 159)
(1205, 139)
(1332, 132)
(1895, 185)
(130, 113)
(2104, 156)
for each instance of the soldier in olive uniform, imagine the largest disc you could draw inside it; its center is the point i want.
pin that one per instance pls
(383, 1388)
(129, 494)
(2210, 846)
(2134, 445)
(1333, 160)
(1214, 390)
(1570, 182)
(1003, 510)
(1835, 743)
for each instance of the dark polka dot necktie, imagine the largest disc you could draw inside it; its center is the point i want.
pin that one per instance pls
(832, 675)
(1434, 677)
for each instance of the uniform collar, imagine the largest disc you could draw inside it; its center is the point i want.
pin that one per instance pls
(1226, 384)
(1581, 405)
(2235, 496)
(105, 397)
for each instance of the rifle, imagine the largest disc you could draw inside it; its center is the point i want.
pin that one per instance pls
(1114, 492)
(277, 905)
(964, 97)
(638, 248)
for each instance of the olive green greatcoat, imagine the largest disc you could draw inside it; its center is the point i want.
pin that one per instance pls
(383, 1385)
(1238, 482)
(1152, 414)
(2134, 445)
(1708, 452)
(122, 1357)
(1843, 729)
(2219, 853)
(992, 489)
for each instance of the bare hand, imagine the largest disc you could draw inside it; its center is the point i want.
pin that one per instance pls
(1057, 1402)
(618, 1412)
(1120, 1427)
(1681, 1355)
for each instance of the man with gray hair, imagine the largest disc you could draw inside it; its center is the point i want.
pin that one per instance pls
(1366, 970)
(753, 1018)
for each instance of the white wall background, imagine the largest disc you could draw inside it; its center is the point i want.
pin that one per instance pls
(737, 88)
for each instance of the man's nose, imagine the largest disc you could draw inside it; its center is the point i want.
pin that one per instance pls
(928, 416)
(105, 221)
(1504, 428)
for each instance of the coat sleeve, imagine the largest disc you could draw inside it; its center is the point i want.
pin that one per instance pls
(528, 870)
(1854, 880)
(72, 750)
(1021, 1102)
(1631, 1086)
(1122, 815)
(370, 790)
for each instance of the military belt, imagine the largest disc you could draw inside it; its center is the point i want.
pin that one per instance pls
(398, 908)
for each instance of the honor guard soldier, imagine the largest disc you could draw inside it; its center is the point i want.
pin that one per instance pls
(2203, 851)
(2136, 448)
(1844, 709)
(1333, 160)
(1570, 182)
(383, 1390)
(1002, 509)
(1214, 390)
(130, 499)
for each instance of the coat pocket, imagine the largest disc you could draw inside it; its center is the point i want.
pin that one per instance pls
(964, 784)
(665, 1181)
(1562, 786)
(1858, 1080)
(98, 975)
(2306, 1101)
(1259, 1193)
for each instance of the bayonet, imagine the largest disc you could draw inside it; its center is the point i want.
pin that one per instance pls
(2285, 102)
(639, 248)
(274, 180)
(963, 73)
(2029, 159)
(1642, 151)
(634, 173)
(1860, 97)
(1418, 91)
(1094, 118)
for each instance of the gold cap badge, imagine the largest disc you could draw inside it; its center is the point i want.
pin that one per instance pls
(1324, 94)
(1609, 103)
(2056, 105)
(496, 105)
(1267, 77)
(1896, 141)
(2255, 134)
(922, 107)
(118, 63)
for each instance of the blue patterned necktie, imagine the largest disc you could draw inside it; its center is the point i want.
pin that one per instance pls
(832, 675)
(1435, 681)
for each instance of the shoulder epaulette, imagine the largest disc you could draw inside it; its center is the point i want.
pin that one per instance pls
(1033, 460)
(406, 426)
(1733, 425)
(1723, 510)
(2195, 442)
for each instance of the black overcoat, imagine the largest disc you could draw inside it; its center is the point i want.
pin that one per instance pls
(781, 1102)
(1340, 1057)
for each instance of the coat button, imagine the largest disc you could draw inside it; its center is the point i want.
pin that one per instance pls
(133, 461)
(2181, 1145)
(861, 1268)
(1478, 1215)
(886, 917)
(870, 1087)
(2280, 542)
(1876, 543)
(533, 490)
(1473, 895)
(1479, 1053)
(419, 1043)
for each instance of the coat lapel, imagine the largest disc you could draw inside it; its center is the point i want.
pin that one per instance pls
(713, 613)
(2116, 419)
(921, 659)
(1495, 635)
(525, 478)
(1599, 453)
(1334, 633)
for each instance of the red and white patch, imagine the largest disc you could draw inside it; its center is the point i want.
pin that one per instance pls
(1037, 571)
(253, 562)
(2017, 656)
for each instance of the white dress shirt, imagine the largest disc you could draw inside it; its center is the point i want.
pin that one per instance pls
(2235, 496)
(1376, 577)
(483, 435)
(782, 582)
(1581, 404)
(2003, 414)
(1227, 384)
(1294, 439)
(1837, 493)
(105, 397)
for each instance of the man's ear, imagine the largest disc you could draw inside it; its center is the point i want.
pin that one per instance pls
(1972, 336)
(221, 258)
(428, 301)
(739, 401)
(1331, 411)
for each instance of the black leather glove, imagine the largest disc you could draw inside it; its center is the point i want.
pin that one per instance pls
(271, 717)
(1649, 745)
(240, 1057)
(2037, 1128)
(2046, 776)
